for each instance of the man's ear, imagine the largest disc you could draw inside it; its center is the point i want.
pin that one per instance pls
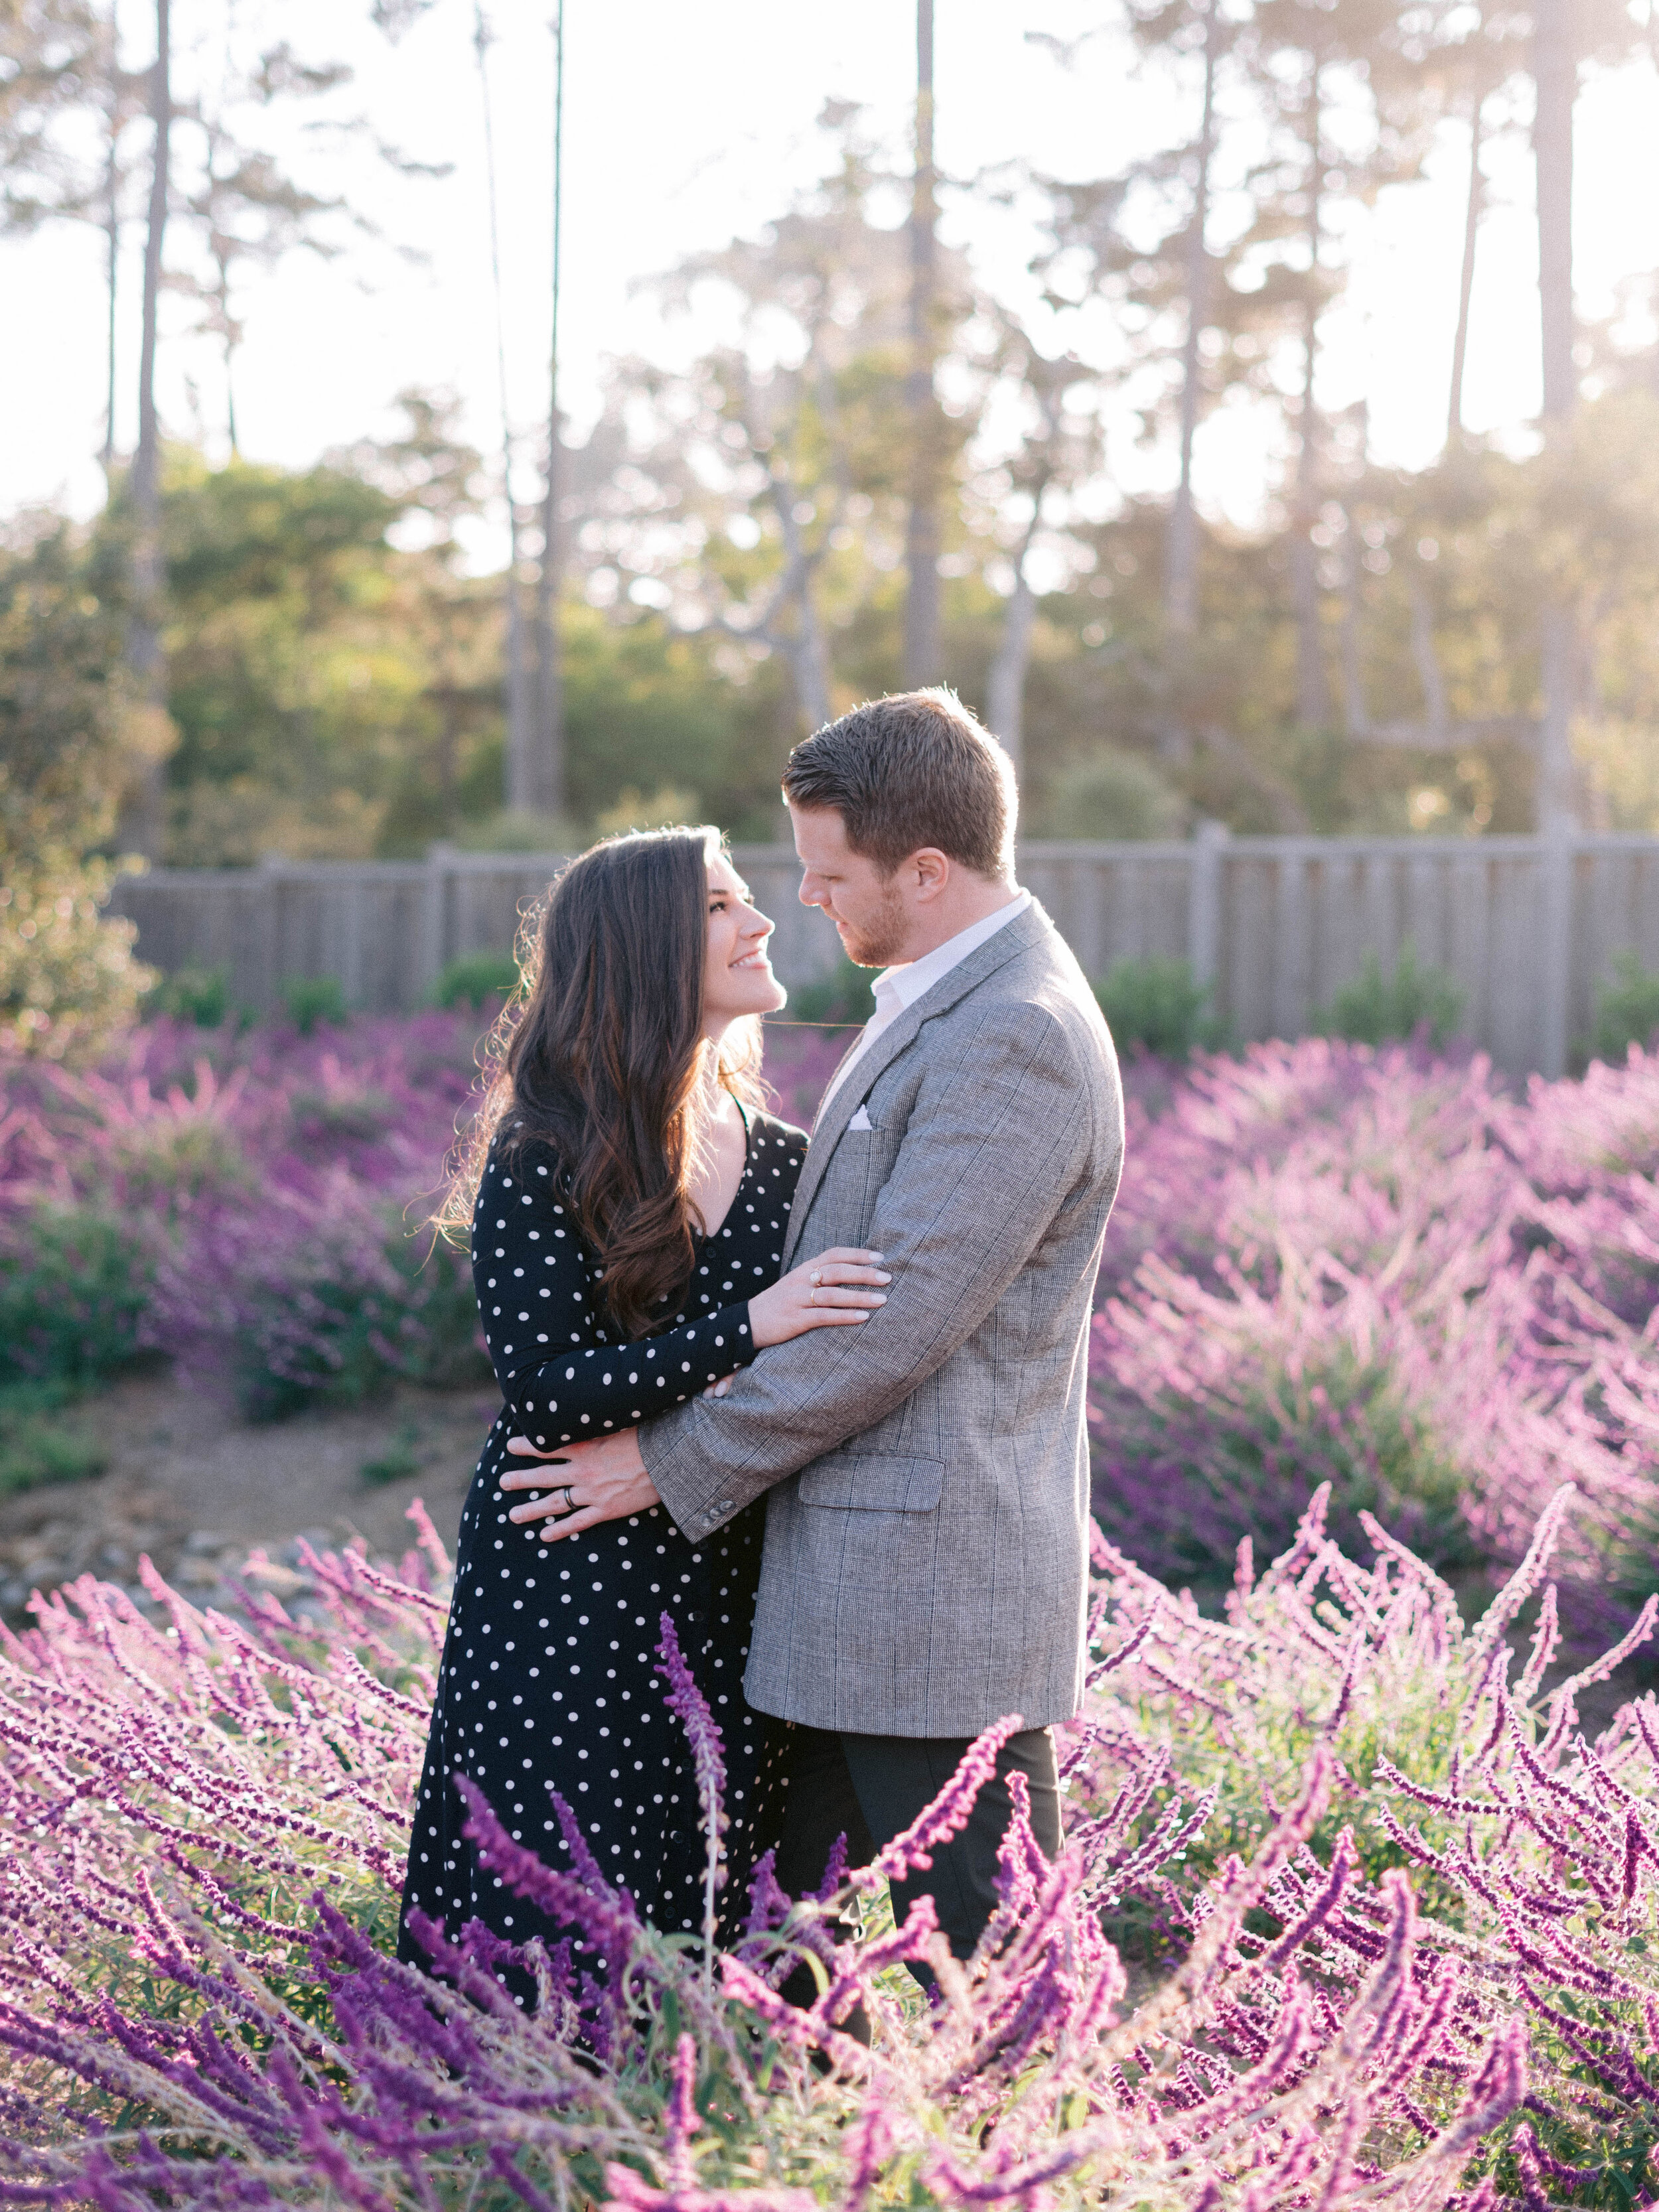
(933, 871)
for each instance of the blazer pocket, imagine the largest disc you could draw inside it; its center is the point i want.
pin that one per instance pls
(873, 1483)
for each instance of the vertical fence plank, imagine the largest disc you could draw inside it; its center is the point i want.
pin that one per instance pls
(1527, 928)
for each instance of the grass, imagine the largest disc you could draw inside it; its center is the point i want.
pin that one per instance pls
(43, 1441)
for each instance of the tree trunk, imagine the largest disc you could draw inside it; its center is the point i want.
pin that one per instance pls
(145, 825)
(1555, 73)
(1356, 720)
(517, 782)
(550, 669)
(923, 649)
(1312, 694)
(230, 357)
(804, 647)
(112, 231)
(1005, 686)
(1471, 212)
(1181, 566)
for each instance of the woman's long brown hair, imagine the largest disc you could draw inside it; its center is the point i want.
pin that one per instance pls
(600, 1056)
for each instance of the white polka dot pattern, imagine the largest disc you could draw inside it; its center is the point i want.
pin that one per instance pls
(549, 1671)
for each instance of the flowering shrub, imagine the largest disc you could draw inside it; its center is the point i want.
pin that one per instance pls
(258, 1199)
(1377, 1269)
(1404, 1918)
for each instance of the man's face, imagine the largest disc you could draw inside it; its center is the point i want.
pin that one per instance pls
(867, 907)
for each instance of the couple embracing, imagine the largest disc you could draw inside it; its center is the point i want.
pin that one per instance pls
(820, 1402)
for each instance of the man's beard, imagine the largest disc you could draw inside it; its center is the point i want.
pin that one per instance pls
(878, 942)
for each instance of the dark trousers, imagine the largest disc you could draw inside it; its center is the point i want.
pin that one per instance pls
(871, 1788)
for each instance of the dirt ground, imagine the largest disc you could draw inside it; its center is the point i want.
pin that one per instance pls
(197, 1489)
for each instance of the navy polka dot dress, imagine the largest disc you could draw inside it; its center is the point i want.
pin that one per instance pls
(549, 1671)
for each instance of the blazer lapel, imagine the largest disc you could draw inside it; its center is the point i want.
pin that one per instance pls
(1015, 937)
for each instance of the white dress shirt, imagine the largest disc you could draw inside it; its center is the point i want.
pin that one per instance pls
(895, 989)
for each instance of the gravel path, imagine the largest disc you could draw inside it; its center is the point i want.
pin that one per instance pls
(197, 1489)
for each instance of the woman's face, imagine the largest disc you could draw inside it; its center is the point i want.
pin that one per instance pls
(736, 976)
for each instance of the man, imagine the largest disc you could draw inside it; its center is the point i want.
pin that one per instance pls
(926, 1563)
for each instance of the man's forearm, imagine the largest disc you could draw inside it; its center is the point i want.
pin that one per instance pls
(970, 1197)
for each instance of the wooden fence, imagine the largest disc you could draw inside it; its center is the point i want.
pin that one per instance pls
(1528, 926)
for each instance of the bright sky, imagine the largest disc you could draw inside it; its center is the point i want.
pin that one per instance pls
(684, 125)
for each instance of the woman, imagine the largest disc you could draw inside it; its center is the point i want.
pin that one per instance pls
(629, 1200)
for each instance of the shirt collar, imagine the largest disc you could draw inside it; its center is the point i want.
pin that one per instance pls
(895, 989)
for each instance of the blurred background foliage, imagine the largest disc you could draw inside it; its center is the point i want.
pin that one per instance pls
(334, 696)
(235, 658)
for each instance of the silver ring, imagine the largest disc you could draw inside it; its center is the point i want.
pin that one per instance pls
(816, 1277)
(569, 1498)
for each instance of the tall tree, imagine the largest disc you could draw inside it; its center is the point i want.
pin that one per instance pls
(145, 823)
(519, 792)
(733, 496)
(1356, 112)
(1555, 76)
(1181, 551)
(923, 640)
(1030, 497)
(243, 205)
(549, 674)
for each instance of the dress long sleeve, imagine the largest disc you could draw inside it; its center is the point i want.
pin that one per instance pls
(542, 1306)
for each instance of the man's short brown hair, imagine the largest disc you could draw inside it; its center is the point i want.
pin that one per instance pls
(908, 771)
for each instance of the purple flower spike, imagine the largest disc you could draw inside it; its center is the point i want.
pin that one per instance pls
(709, 1761)
(948, 1813)
(682, 2120)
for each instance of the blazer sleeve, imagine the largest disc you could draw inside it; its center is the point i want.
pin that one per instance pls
(535, 1287)
(1000, 1134)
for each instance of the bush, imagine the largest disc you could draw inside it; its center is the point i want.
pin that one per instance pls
(308, 1000)
(200, 995)
(69, 983)
(840, 999)
(74, 1288)
(1159, 1005)
(1378, 1009)
(69, 742)
(41, 1441)
(261, 1180)
(1626, 1010)
(400, 1458)
(337, 1306)
(474, 979)
(1111, 794)
(1332, 1262)
(201, 2009)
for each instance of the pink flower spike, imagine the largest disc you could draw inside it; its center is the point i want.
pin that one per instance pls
(948, 1813)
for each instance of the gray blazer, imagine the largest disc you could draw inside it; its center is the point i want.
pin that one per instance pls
(926, 1537)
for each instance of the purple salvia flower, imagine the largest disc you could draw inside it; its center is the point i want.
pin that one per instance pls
(948, 1813)
(708, 1762)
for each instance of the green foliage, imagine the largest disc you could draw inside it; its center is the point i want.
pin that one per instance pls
(843, 997)
(400, 1458)
(68, 978)
(68, 981)
(1409, 1002)
(1109, 793)
(201, 995)
(73, 1289)
(1159, 1005)
(41, 1443)
(1626, 1010)
(308, 1000)
(476, 977)
(342, 1326)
